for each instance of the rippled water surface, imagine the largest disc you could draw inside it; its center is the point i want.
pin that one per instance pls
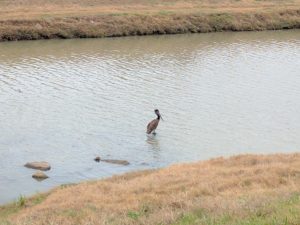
(67, 101)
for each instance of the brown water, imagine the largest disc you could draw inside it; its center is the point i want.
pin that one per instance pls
(67, 101)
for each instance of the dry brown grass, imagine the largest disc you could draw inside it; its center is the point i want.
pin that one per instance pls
(43, 19)
(36, 9)
(161, 196)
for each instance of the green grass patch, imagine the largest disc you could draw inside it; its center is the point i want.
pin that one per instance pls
(21, 203)
(133, 215)
(144, 211)
(280, 212)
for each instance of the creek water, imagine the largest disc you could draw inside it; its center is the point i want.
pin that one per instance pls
(68, 101)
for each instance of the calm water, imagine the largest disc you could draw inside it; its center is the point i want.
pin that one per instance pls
(67, 101)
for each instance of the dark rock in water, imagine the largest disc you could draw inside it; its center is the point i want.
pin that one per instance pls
(115, 161)
(97, 159)
(39, 175)
(38, 165)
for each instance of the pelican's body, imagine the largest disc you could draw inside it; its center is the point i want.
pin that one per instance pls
(151, 127)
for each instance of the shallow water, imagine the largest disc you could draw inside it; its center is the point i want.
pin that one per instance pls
(67, 101)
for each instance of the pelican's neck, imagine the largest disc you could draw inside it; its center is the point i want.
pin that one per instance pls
(158, 116)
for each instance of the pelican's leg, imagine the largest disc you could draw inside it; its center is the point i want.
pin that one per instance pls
(154, 133)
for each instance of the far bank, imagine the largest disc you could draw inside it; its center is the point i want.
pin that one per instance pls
(93, 19)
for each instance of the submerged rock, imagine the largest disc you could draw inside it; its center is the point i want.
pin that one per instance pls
(38, 165)
(39, 175)
(115, 161)
(97, 159)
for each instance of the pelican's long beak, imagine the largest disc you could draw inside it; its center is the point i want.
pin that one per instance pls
(161, 118)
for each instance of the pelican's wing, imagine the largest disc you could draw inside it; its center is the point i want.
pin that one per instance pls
(149, 128)
(152, 126)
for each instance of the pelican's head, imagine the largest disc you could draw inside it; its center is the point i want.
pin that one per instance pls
(156, 111)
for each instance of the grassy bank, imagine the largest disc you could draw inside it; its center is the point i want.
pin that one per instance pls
(45, 19)
(247, 189)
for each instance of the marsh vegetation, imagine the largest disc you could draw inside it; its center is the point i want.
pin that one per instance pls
(32, 19)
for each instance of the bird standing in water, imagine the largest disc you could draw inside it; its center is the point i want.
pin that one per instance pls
(154, 123)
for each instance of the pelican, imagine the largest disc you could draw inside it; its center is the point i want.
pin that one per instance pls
(151, 127)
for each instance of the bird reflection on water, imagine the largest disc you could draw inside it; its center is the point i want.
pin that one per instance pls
(153, 143)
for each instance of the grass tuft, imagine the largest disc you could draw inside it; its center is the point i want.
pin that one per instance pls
(21, 201)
